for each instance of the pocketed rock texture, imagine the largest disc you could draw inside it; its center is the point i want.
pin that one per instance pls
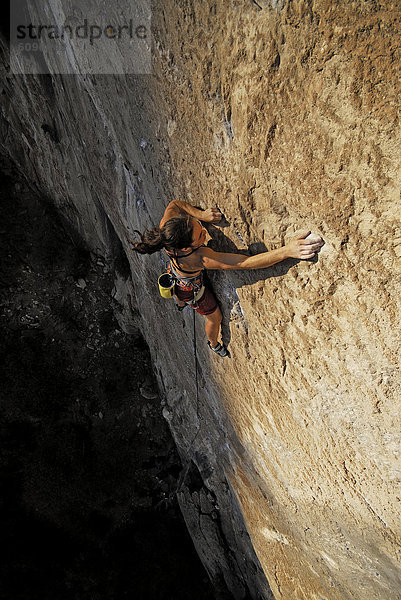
(286, 115)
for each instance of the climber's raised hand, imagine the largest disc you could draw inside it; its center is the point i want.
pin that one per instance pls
(212, 215)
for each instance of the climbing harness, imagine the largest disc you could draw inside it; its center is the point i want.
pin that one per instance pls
(171, 278)
(195, 285)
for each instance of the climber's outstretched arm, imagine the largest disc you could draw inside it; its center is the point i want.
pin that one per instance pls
(299, 248)
(177, 208)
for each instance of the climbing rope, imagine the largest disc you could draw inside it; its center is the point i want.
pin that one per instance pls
(196, 366)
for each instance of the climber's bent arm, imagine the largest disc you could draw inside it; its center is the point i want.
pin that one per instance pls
(177, 207)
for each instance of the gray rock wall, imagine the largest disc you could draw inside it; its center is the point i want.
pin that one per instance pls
(286, 115)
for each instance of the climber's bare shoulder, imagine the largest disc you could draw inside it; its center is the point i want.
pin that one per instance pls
(209, 259)
(172, 210)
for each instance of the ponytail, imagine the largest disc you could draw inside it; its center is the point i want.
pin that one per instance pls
(175, 234)
(151, 241)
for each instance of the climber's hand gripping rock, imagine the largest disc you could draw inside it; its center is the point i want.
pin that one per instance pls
(302, 248)
(212, 215)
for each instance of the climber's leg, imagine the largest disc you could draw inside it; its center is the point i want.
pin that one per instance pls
(212, 326)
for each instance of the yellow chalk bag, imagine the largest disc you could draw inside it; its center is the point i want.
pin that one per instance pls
(166, 285)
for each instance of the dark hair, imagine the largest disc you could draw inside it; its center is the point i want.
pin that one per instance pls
(175, 234)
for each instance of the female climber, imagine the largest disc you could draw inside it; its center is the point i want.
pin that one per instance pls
(183, 237)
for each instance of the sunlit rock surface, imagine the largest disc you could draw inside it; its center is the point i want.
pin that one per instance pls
(286, 115)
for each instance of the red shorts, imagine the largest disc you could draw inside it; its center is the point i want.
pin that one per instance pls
(206, 305)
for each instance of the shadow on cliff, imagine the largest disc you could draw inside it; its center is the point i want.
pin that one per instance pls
(88, 467)
(226, 283)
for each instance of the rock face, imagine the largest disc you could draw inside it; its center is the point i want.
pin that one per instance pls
(286, 115)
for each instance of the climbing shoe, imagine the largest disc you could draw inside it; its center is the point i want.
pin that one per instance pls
(220, 349)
